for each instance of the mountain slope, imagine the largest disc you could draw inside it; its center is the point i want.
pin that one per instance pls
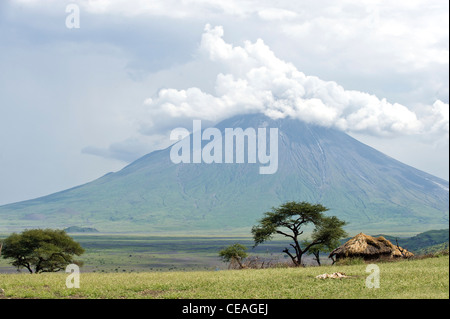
(359, 184)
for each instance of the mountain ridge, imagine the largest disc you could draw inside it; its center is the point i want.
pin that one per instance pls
(361, 185)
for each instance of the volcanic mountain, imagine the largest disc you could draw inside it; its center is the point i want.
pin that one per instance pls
(371, 191)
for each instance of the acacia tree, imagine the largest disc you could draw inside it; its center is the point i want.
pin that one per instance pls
(236, 252)
(290, 218)
(41, 250)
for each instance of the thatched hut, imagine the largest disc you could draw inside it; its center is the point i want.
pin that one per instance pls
(369, 248)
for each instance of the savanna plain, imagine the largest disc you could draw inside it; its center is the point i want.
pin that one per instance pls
(135, 267)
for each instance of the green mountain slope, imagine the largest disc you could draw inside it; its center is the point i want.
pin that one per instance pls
(370, 190)
(422, 242)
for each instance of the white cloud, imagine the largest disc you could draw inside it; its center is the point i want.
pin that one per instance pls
(255, 80)
(371, 36)
(271, 14)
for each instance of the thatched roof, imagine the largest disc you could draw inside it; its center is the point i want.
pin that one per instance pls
(367, 246)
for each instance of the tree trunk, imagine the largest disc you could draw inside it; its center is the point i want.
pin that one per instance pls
(293, 258)
(239, 262)
(29, 268)
(317, 255)
(299, 260)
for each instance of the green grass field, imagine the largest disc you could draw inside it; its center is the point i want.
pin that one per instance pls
(408, 279)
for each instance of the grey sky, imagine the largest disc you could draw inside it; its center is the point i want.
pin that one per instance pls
(74, 103)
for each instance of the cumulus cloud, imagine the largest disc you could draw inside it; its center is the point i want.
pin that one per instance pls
(255, 80)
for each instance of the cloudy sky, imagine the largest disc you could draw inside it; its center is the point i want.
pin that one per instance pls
(76, 103)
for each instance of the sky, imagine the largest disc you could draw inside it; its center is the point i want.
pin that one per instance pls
(79, 101)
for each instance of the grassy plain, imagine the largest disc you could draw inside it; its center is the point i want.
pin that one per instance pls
(407, 279)
(137, 253)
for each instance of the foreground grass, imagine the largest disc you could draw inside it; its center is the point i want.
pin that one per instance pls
(426, 278)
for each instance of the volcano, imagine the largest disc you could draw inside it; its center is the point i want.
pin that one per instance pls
(368, 189)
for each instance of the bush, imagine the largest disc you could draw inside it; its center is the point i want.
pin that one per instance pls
(256, 262)
(443, 252)
(440, 253)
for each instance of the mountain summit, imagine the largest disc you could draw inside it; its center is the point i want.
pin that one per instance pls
(371, 191)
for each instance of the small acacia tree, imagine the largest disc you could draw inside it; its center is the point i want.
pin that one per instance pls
(236, 252)
(289, 219)
(41, 250)
(321, 248)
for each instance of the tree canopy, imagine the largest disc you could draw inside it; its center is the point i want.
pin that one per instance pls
(41, 250)
(289, 220)
(236, 252)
